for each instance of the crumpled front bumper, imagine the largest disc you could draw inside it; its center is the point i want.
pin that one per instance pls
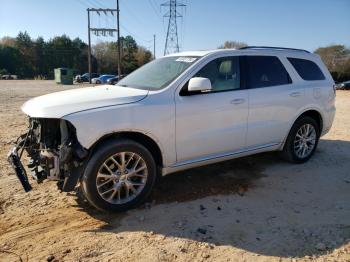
(18, 167)
(54, 154)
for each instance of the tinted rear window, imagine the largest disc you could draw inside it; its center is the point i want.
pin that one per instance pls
(307, 69)
(266, 71)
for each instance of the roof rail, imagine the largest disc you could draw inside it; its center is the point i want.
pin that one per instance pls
(273, 47)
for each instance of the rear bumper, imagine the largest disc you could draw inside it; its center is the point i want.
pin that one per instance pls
(328, 120)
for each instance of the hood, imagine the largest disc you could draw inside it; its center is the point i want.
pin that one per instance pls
(59, 104)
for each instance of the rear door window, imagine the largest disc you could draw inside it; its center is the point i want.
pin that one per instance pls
(307, 69)
(265, 71)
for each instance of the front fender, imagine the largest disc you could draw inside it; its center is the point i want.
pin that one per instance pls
(150, 120)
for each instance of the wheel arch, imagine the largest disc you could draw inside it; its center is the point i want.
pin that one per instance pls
(144, 139)
(315, 114)
(311, 112)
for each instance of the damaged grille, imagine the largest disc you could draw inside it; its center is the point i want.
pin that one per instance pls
(53, 150)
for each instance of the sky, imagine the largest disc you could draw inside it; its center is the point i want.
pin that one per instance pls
(206, 24)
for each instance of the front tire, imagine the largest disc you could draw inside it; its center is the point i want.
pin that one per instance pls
(302, 140)
(119, 176)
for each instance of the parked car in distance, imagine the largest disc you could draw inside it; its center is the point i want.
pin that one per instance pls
(85, 77)
(102, 79)
(9, 77)
(343, 86)
(114, 80)
(177, 112)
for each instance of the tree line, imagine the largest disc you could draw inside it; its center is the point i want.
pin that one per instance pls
(337, 60)
(335, 57)
(37, 58)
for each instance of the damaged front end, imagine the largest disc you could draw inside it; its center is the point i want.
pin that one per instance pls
(54, 153)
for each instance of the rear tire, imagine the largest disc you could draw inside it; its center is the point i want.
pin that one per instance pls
(302, 140)
(119, 176)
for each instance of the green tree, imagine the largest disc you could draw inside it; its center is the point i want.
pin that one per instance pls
(129, 48)
(61, 51)
(132, 56)
(25, 46)
(232, 44)
(29, 58)
(143, 56)
(10, 58)
(106, 55)
(40, 65)
(8, 41)
(337, 60)
(81, 57)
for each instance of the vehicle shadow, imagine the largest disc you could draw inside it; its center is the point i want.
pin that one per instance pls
(259, 203)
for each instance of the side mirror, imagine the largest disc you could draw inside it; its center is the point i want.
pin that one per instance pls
(199, 84)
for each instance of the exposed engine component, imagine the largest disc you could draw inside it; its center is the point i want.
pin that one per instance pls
(54, 153)
(51, 161)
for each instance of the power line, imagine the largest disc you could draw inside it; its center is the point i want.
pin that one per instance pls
(104, 31)
(96, 3)
(183, 24)
(154, 9)
(128, 31)
(82, 3)
(158, 14)
(113, 22)
(134, 35)
(135, 17)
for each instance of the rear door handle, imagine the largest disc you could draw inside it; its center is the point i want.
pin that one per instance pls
(237, 101)
(295, 94)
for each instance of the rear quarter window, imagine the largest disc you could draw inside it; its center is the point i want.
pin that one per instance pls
(307, 70)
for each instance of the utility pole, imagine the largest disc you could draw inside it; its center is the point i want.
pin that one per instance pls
(103, 32)
(154, 46)
(89, 48)
(119, 44)
(172, 40)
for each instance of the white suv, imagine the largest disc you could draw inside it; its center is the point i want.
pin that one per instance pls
(177, 112)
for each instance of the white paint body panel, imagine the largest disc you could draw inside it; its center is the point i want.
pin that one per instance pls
(210, 124)
(272, 108)
(59, 104)
(200, 129)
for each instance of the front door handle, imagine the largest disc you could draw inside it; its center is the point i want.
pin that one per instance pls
(295, 94)
(237, 101)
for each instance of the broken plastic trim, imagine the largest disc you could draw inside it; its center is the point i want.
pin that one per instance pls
(21, 173)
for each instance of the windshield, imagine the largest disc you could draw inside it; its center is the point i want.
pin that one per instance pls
(158, 73)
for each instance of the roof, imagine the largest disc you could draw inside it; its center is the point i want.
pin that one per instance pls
(258, 50)
(193, 53)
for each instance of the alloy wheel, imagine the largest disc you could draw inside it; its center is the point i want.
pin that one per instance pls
(305, 141)
(121, 177)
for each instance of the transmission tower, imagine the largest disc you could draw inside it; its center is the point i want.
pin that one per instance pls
(172, 40)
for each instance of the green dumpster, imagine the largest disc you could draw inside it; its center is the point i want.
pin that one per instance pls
(64, 76)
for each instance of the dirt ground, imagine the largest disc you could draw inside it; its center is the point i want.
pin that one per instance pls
(257, 208)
